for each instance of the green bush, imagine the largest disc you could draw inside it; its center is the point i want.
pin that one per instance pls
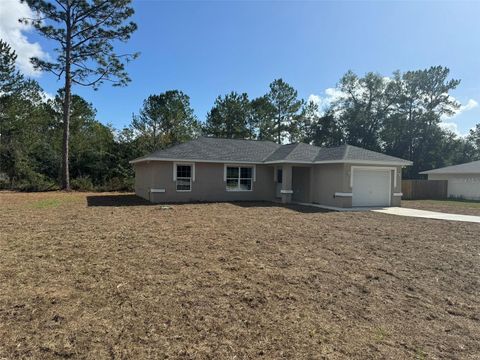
(35, 182)
(5, 184)
(83, 183)
(117, 184)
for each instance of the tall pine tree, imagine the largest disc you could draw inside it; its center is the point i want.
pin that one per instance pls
(84, 31)
(286, 104)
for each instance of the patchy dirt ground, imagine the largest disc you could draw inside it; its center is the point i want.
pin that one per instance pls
(448, 206)
(107, 276)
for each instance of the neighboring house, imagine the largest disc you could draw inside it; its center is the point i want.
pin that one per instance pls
(463, 180)
(213, 169)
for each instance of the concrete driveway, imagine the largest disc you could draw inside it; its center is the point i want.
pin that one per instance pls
(427, 214)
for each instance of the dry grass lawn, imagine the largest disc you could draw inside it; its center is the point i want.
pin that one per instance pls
(464, 207)
(107, 276)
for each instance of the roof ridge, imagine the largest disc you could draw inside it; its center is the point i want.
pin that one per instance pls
(222, 138)
(280, 146)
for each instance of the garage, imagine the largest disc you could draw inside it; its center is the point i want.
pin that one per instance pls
(371, 187)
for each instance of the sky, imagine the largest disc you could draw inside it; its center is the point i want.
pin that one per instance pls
(206, 49)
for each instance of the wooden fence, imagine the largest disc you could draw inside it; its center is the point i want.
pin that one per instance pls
(424, 189)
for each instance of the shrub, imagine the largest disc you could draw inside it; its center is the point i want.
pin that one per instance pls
(83, 183)
(117, 184)
(36, 182)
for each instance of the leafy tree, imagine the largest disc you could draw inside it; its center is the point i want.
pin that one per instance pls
(230, 117)
(85, 31)
(24, 129)
(22, 114)
(418, 111)
(474, 140)
(400, 115)
(284, 100)
(326, 131)
(364, 107)
(305, 124)
(91, 143)
(164, 120)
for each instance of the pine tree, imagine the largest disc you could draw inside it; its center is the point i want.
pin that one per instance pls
(84, 31)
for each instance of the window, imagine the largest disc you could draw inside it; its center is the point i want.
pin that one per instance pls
(184, 177)
(279, 175)
(239, 178)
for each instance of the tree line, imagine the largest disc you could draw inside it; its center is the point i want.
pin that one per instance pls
(399, 115)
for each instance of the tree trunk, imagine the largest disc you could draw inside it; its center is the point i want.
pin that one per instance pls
(66, 108)
(279, 128)
(66, 135)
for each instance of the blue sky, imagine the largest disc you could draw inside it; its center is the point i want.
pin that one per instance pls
(207, 49)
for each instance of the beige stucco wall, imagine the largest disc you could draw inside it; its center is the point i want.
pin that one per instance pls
(317, 184)
(328, 179)
(209, 184)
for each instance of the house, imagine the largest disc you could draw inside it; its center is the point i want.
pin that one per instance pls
(213, 169)
(463, 180)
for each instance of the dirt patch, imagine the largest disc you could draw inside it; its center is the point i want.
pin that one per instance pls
(100, 280)
(446, 206)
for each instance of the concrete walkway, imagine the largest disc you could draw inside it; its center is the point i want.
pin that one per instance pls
(427, 214)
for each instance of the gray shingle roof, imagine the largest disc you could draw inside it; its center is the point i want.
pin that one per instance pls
(213, 149)
(354, 153)
(468, 168)
(294, 152)
(224, 150)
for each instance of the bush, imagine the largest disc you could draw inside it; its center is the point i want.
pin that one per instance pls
(83, 183)
(35, 182)
(117, 184)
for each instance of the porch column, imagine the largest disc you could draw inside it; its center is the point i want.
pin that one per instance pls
(286, 190)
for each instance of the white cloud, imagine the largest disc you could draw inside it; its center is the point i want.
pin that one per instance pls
(471, 104)
(13, 33)
(453, 126)
(47, 96)
(323, 101)
(316, 99)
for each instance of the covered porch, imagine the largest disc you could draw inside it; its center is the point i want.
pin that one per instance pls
(293, 183)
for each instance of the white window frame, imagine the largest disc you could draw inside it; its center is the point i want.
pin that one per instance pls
(239, 166)
(192, 175)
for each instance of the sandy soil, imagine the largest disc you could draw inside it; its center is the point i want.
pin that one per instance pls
(447, 206)
(107, 276)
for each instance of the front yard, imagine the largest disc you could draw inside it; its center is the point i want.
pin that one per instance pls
(102, 276)
(464, 207)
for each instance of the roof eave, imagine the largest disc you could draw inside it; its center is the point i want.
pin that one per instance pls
(135, 161)
(375, 162)
(273, 162)
(449, 172)
(370, 162)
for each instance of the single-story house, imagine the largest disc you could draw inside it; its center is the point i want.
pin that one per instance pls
(463, 180)
(214, 169)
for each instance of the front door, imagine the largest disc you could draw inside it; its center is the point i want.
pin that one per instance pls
(279, 176)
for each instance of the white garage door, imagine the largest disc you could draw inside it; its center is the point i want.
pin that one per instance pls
(371, 187)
